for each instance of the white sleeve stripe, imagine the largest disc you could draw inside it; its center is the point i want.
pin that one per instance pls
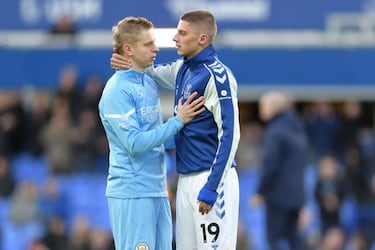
(119, 116)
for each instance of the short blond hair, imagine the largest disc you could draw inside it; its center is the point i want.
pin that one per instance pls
(204, 20)
(127, 31)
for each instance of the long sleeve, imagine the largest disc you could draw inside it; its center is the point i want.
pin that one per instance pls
(221, 101)
(165, 74)
(122, 118)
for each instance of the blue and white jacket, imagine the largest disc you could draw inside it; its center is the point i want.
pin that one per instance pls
(210, 141)
(131, 115)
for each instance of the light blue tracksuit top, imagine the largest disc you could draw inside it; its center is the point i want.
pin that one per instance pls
(131, 115)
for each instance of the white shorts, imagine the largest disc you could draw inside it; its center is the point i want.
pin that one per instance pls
(216, 230)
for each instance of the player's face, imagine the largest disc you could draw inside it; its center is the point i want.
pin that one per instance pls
(265, 110)
(187, 39)
(144, 51)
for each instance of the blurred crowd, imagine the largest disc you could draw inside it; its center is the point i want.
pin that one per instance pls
(53, 168)
(53, 163)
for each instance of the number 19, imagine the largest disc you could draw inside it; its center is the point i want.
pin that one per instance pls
(213, 229)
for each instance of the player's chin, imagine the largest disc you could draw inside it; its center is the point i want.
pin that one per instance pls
(179, 51)
(152, 59)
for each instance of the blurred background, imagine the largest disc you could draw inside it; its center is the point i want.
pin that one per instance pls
(54, 57)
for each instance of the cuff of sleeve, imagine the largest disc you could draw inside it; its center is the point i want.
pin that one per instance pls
(180, 123)
(207, 196)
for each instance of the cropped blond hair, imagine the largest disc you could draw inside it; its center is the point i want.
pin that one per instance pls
(127, 31)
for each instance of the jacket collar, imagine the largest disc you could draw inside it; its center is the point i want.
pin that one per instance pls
(132, 74)
(202, 57)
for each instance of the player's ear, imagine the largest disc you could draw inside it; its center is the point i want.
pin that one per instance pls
(203, 39)
(127, 48)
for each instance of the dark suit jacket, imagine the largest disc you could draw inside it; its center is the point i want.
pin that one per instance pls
(285, 149)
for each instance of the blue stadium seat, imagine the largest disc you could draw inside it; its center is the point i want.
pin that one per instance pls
(19, 237)
(253, 218)
(86, 196)
(25, 166)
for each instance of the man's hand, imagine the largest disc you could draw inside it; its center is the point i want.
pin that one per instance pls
(206, 200)
(204, 208)
(119, 61)
(190, 108)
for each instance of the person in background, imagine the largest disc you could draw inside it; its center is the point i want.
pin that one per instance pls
(129, 108)
(7, 180)
(64, 25)
(323, 127)
(330, 191)
(24, 204)
(59, 128)
(281, 185)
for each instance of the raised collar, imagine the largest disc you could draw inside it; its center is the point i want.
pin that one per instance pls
(202, 57)
(133, 75)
